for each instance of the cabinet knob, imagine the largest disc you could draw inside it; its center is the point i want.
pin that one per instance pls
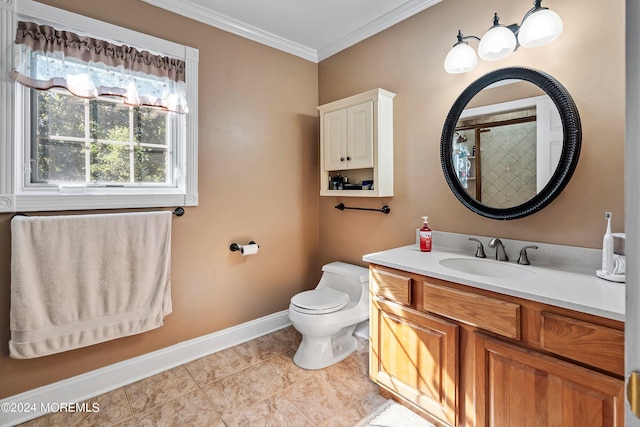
(348, 158)
(342, 159)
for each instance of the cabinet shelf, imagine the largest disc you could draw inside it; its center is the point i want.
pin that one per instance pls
(349, 193)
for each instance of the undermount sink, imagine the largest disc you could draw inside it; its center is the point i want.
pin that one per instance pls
(488, 268)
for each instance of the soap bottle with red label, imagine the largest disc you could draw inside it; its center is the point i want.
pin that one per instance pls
(425, 235)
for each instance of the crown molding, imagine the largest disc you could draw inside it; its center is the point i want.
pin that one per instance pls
(382, 23)
(206, 16)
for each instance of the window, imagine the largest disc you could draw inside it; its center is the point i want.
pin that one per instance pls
(112, 127)
(99, 142)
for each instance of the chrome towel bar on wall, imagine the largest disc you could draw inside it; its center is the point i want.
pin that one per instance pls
(385, 209)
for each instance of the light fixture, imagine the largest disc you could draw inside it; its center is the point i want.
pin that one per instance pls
(497, 43)
(461, 58)
(539, 26)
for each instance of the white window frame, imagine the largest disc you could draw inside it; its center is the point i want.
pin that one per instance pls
(15, 127)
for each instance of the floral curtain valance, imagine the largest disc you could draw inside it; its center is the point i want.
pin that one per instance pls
(48, 58)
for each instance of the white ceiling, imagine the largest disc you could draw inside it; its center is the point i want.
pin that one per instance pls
(311, 29)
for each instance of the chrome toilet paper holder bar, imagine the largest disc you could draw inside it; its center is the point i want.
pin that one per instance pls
(236, 247)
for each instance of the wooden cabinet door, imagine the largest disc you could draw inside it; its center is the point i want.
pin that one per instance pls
(520, 387)
(360, 136)
(334, 139)
(415, 355)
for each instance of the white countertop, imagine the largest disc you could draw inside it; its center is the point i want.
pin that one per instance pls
(576, 290)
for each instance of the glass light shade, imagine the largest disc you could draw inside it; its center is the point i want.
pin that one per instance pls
(497, 43)
(460, 59)
(540, 28)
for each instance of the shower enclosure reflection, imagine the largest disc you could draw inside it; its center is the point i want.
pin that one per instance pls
(504, 153)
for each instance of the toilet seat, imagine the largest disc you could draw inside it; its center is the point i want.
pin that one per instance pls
(319, 301)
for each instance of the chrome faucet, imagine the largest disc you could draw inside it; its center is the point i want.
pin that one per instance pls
(501, 255)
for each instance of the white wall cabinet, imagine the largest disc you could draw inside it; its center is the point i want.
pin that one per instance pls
(356, 141)
(348, 137)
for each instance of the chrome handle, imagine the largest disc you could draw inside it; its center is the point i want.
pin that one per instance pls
(524, 259)
(480, 249)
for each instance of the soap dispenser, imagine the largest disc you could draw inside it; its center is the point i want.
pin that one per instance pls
(425, 235)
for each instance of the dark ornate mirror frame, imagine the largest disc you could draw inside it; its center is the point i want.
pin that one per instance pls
(572, 133)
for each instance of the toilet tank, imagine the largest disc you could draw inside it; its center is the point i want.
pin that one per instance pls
(348, 278)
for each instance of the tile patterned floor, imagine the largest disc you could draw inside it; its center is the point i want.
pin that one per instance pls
(252, 384)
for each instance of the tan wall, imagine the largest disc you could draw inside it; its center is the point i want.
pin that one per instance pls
(588, 59)
(258, 175)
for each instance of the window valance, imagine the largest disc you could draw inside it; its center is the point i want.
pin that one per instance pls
(48, 58)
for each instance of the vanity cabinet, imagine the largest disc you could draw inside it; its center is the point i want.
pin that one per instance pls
(464, 356)
(416, 354)
(516, 386)
(356, 142)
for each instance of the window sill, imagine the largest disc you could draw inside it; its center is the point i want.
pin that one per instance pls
(61, 202)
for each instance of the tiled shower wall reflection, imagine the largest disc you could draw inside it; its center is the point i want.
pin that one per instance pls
(508, 164)
(507, 156)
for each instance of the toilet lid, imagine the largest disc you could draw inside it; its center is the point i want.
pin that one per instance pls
(319, 301)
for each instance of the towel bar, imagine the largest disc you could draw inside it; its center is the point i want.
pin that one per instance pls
(385, 209)
(179, 211)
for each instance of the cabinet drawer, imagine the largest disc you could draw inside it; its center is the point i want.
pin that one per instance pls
(487, 313)
(391, 286)
(595, 345)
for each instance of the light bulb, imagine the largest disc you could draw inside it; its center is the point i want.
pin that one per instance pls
(460, 59)
(497, 43)
(541, 27)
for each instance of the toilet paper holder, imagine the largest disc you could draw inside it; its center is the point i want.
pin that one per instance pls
(236, 247)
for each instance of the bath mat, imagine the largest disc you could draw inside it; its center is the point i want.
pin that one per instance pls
(392, 414)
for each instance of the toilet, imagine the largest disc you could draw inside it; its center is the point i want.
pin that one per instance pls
(328, 315)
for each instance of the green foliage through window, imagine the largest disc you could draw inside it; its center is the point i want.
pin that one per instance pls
(99, 141)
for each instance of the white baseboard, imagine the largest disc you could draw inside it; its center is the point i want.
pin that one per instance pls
(17, 409)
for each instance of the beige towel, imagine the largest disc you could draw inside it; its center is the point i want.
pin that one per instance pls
(79, 280)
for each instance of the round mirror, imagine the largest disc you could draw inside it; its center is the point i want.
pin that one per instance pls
(510, 143)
